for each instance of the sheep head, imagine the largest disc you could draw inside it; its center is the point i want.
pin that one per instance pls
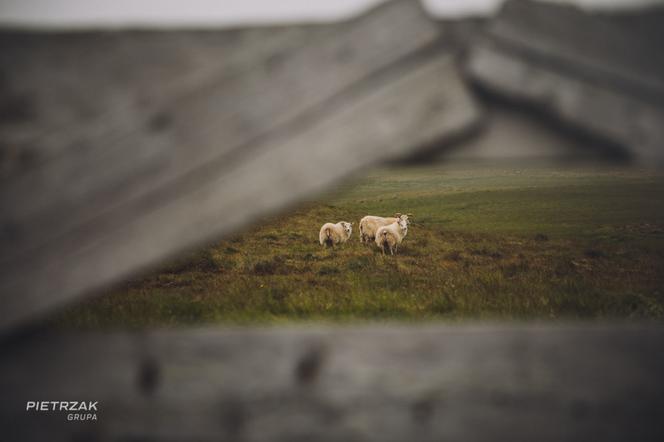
(348, 227)
(403, 224)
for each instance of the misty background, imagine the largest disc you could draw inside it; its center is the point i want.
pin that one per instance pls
(230, 13)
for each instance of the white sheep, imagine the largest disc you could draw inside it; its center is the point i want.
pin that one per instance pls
(333, 234)
(370, 224)
(389, 237)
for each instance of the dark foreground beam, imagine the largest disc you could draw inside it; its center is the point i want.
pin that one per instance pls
(208, 149)
(474, 383)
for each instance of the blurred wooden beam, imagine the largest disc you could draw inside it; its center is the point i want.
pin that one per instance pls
(479, 383)
(211, 151)
(586, 70)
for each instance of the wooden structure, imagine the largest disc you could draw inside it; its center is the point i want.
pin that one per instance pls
(122, 149)
(430, 383)
(599, 74)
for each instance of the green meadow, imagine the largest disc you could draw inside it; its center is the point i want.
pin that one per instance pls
(503, 243)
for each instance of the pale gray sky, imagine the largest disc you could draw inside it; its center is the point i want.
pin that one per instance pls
(220, 13)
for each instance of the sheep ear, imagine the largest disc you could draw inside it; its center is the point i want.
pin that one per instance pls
(397, 215)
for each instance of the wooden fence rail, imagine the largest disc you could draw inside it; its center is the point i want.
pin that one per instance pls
(377, 383)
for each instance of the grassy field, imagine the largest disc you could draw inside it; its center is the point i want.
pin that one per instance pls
(486, 243)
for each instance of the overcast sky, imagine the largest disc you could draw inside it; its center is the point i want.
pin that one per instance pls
(216, 13)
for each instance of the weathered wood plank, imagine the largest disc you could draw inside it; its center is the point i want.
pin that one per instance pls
(251, 145)
(138, 156)
(603, 112)
(103, 82)
(476, 383)
(588, 43)
(585, 70)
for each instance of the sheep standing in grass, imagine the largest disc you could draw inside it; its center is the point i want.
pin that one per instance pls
(370, 224)
(333, 234)
(389, 237)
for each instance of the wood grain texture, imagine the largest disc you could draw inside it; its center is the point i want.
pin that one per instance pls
(604, 112)
(215, 157)
(202, 122)
(474, 383)
(585, 43)
(589, 71)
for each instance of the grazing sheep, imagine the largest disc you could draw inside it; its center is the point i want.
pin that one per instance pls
(333, 234)
(370, 224)
(389, 237)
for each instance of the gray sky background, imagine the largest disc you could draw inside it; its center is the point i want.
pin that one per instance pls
(223, 13)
